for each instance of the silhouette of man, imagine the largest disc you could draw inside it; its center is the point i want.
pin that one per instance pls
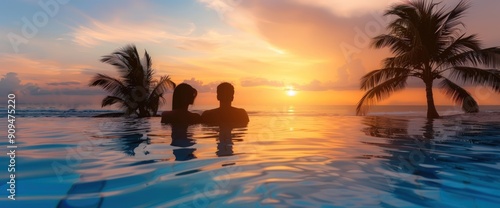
(225, 114)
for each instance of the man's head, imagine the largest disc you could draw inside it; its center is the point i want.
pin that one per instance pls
(225, 92)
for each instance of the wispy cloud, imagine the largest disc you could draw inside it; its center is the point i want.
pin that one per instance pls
(347, 78)
(97, 32)
(63, 83)
(338, 7)
(9, 84)
(258, 81)
(38, 70)
(200, 86)
(314, 85)
(222, 6)
(209, 41)
(309, 29)
(349, 8)
(158, 32)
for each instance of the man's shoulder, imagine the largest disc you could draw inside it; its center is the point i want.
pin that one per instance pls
(210, 115)
(239, 110)
(194, 115)
(210, 112)
(241, 115)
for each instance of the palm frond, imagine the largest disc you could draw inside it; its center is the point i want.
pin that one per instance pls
(489, 57)
(154, 104)
(119, 62)
(136, 81)
(147, 64)
(460, 45)
(397, 44)
(138, 74)
(125, 59)
(459, 95)
(110, 100)
(133, 74)
(376, 77)
(112, 85)
(380, 92)
(161, 87)
(413, 58)
(132, 56)
(454, 16)
(472, 75)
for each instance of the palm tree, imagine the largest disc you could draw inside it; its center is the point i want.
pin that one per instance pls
(428, 43)
(135, 91)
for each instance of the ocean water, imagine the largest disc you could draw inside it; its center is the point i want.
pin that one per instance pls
(285, 157)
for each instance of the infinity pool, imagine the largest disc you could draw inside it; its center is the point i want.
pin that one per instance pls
(281, 159)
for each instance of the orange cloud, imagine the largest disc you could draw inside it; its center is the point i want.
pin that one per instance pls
(43, 71)
(351, 8)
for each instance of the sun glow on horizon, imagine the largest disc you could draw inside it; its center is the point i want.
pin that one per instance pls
(291, 92)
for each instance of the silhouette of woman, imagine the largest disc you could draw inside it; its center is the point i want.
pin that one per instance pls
(180, 119)
(183, 139)
(184, 96)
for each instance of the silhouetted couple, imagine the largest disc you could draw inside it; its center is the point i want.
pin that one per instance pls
(180, 119)
(184, 95)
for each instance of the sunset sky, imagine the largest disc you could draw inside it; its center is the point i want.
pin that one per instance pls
(319, 48)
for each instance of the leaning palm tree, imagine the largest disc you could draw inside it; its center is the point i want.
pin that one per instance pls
(428, 43)
(135, 91)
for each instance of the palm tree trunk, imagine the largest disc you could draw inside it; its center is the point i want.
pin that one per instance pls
(143, 112)
(431, 108)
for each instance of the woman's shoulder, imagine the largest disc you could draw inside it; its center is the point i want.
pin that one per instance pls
(166, 113)
(180, 117)
(166, 116)
(194, 117)
(194, 114)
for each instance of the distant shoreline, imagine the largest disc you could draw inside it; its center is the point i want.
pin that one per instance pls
(114, 115)
(108, 115)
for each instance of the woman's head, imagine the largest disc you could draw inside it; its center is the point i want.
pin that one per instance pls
(184, 96)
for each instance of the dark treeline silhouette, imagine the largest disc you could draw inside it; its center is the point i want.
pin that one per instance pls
(429, 43)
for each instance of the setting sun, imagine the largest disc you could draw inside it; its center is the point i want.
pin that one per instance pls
(291, 92)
